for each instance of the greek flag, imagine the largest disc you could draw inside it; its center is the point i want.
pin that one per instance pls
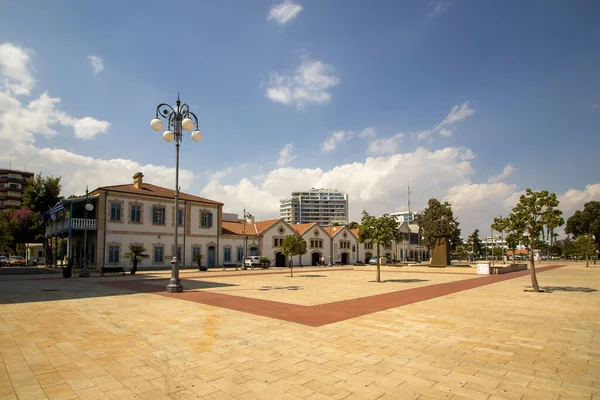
(54, 210)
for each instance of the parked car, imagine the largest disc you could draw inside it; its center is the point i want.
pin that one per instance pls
(252, 261)
(16, 260)
(3, 261)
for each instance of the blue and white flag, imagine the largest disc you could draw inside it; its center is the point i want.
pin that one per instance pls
(54, 210)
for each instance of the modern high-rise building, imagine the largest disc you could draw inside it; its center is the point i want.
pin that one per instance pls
(325, 206)
(405, 216)
(12, 183)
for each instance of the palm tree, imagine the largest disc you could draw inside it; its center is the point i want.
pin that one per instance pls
(198, 257)
(136, 253)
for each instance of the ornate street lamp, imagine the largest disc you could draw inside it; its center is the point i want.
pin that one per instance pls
(88, 207)
(249, 219)
(178, 119)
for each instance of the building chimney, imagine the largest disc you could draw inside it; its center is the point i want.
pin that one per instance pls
(137, 180)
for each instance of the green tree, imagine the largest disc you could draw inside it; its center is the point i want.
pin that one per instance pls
(429, 223)
(461, 252)
(265, 262)
(41, 193)
(584, 247)
(136, 254)
(198, 258)
(534, 211)
(25, 225)
(474, 243)
(293, 245)
(353, 225)
(381, 231)
(586, 221)
(6, 231)
(512, 242)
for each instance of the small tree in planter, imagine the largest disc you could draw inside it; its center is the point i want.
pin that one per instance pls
(136, 253)
(198, 259)
(265, 262)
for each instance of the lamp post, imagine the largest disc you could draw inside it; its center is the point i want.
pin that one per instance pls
(178, 118)
(587, 248)
(247, 219)
(88, 207)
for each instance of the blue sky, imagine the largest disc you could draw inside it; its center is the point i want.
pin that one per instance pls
(471, 101)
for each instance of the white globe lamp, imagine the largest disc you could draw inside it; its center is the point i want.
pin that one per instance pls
(197, 135)
(168, 136)
(156, 124)
(187, 124)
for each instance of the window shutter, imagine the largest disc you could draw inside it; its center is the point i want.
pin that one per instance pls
(210, 220)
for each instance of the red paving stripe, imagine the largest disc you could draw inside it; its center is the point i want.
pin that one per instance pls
(324, 314)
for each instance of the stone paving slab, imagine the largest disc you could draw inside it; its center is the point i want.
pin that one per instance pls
(488, 342)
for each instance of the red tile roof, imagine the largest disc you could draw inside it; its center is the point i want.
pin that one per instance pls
(301, 228)
(237, 228)
(262, 226)
(155, 191)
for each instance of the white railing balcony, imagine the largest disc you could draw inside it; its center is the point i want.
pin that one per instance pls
(80, 223)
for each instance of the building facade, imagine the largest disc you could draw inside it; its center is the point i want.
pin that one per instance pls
(12, 184)
(405, 216)
(325, 206)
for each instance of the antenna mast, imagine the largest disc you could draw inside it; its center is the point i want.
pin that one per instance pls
(409, 192)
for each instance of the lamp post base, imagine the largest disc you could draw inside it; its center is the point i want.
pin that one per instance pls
(174, 286)
(84, 271)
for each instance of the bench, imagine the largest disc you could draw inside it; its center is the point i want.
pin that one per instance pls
(231, 265)
(115, 269)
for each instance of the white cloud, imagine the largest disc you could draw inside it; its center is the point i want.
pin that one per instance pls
(445, 132)
(374, 185)
(506, 172)
(310, 84)
(459, 112)
(368, 133)
(476, 204)
(573, 199)
(285, 155)
(16, 79)
(336, 138)
(42, 114)
(284, 12)
(385, 145)
(97, 64)
(439, 9)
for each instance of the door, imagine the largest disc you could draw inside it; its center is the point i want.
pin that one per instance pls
(368, 257)
(211, 256)
(279, 260)
(345, 259)
(315, 259)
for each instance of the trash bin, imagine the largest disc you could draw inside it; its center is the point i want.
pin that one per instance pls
(67, 271)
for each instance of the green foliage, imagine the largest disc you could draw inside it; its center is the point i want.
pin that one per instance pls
(6, 230)
(381, 231)
(435, 220)
(526, 223)
(586, 221)
(460, 252)
(198, 258)
(353, 225)
(583, 247)
(293, 245)
(136, 254)
(474, 244)
(265, 261)
(41, 193)
(497, 252)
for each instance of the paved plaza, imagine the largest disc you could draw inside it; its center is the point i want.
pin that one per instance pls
(326, 333)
